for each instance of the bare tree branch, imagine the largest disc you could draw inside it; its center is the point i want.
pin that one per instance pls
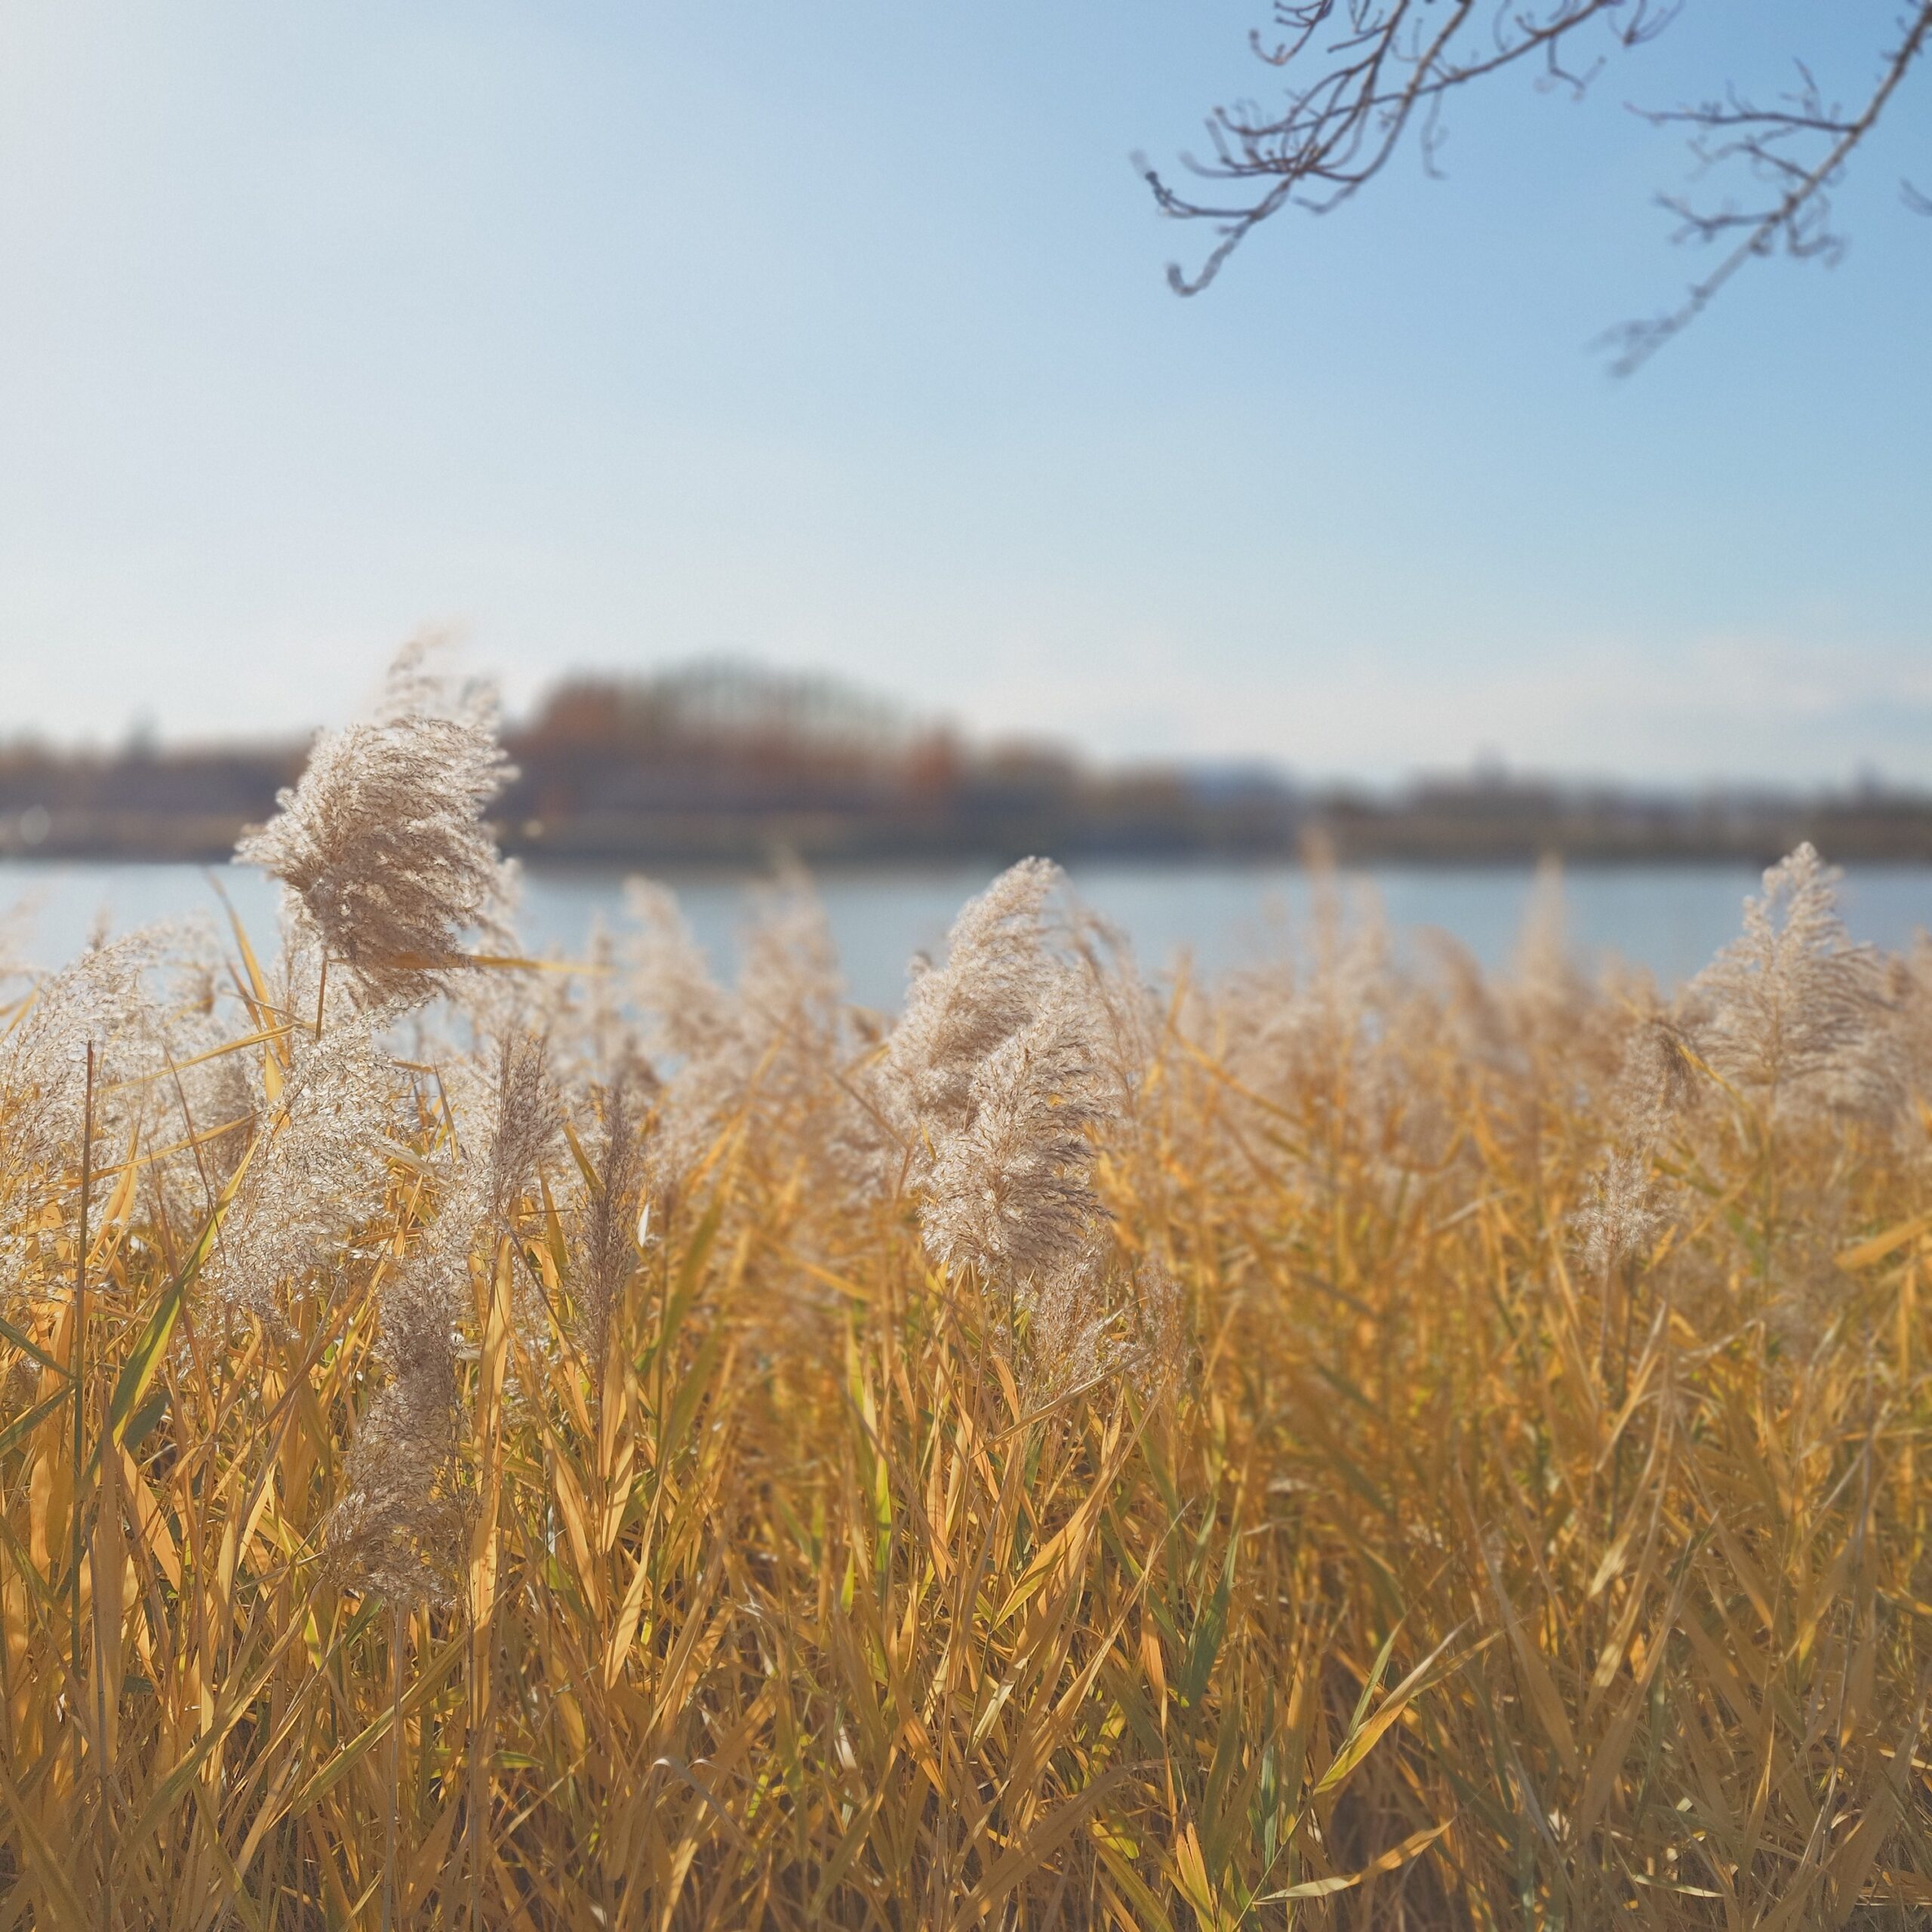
(1798, 214)
(1388, 63)
(1370, 69)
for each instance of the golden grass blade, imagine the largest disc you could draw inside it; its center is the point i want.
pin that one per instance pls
(1412, 1846)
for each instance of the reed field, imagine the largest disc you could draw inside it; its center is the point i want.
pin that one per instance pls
(489, 1442)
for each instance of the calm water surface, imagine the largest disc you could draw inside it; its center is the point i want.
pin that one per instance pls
(1669, 918)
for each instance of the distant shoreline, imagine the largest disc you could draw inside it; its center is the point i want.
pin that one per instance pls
(753, 861)
(730, 768)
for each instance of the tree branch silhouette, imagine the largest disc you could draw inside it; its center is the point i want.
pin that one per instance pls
(1365, 73)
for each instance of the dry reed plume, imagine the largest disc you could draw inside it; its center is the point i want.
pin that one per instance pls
(1356, 1446)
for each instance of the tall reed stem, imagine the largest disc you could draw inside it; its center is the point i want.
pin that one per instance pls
(78, 1359)
(396, 1627)
(106, 1554)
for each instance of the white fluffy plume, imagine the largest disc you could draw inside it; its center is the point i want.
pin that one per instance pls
(382, 845)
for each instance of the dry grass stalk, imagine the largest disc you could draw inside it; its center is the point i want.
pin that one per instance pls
(1453, 1586)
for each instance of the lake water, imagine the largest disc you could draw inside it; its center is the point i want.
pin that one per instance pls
(1669, 918)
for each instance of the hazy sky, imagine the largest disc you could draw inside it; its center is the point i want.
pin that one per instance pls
(617, 334)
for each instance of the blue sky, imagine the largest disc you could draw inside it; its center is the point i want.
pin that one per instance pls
(617, 334)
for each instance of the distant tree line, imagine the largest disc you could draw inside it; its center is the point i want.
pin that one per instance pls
(733, 765)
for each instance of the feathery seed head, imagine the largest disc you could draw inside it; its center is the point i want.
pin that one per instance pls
(401, 1523)
(106, 999)
(381, 845)
(997, 960)
(614, 1225)
(1792, 1009)
(1030, 1041)
(772, 1043)
(1621, 1216)
(1009, 1191)
(317, 1176)
(527, 1121)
